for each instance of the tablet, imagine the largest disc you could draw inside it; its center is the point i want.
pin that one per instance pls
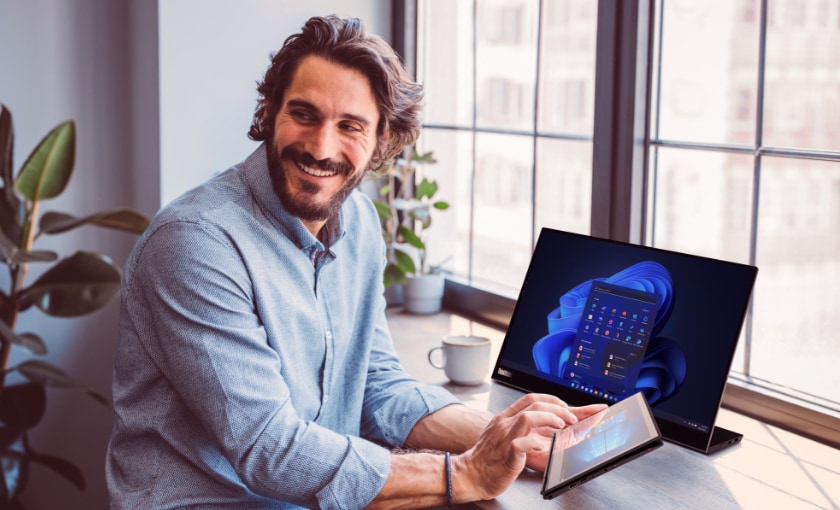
(599, 443)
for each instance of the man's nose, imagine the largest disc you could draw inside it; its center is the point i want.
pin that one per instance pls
(323, 143)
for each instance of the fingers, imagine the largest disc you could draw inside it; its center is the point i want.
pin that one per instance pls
(529, 399)
(584, 411)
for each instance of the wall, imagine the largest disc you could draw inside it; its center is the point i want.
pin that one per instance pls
(162, 94)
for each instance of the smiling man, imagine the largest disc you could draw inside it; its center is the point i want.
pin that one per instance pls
(254, 367)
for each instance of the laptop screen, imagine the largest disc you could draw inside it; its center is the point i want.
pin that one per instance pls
(599, 320)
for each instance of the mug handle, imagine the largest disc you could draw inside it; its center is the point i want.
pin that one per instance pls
(431, 362)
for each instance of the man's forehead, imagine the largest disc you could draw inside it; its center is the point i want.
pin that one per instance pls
(331, 88)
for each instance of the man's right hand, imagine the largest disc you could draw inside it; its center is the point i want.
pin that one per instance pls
(518, 436)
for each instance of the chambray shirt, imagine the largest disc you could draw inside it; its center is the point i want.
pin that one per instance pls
(254, 368)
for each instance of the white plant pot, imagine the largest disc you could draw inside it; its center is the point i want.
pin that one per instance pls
(423, 294)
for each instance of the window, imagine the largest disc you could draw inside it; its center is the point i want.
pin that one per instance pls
(756, 182)
(510, 123)
(740, 157)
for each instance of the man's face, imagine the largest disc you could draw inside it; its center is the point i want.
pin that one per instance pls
(324, 137)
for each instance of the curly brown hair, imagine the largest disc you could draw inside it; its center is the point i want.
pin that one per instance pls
(345, 42)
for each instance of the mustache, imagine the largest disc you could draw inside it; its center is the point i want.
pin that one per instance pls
(306, 159)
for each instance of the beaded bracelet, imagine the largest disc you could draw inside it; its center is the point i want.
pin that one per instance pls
(448, 479)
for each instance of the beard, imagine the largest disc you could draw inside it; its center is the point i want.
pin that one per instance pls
(303, 204)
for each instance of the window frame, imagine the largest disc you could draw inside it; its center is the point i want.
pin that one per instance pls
(621, 144)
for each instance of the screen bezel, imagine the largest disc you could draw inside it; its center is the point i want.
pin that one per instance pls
(672, 431)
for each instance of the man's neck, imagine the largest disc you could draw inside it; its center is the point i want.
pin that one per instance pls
(314, 227)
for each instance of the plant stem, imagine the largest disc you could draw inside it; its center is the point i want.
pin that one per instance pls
(18, 282)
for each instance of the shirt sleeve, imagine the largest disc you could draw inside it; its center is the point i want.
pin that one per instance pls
(192, 309)
(394, 401)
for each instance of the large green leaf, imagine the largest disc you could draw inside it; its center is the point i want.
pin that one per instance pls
(122, 218)
(47, 374)
(75, 286)
(48, 169)
(9, 202)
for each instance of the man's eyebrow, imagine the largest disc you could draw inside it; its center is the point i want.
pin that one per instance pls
(300, 103)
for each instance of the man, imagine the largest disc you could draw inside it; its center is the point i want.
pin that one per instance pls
(254, 367)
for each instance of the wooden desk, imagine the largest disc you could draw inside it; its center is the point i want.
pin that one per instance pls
(769, 469)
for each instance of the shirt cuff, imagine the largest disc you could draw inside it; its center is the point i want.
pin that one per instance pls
(396, 419)
(356, 487)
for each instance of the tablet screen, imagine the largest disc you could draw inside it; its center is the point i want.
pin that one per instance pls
(602, 441)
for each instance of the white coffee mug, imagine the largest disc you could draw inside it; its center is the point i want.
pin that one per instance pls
(465, 359)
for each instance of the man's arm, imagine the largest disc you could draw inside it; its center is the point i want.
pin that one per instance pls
(493, 457)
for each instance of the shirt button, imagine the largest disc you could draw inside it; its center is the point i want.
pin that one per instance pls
(329, 334)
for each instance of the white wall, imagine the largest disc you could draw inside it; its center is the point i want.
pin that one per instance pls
(162, 94)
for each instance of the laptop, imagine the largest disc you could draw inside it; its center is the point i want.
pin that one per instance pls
(600, 443)
(599, 320)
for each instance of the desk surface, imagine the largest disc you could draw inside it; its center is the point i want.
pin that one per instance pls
(770, 468)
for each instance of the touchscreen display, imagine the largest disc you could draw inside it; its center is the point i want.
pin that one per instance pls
(601, 441)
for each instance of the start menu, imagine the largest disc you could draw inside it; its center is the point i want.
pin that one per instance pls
(611, 340)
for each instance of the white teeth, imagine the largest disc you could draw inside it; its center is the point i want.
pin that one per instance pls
(315, 172)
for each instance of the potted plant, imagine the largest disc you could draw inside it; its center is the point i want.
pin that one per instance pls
(405, 212)
(74, 286)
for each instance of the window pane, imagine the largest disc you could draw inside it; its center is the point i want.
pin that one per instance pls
(564, 185)
(447, 240)
(802, 100)
(503, 207)
(797, 302)
(709, 71)
(702, 203)
(446, 53)
(567, 67)
(506, 63)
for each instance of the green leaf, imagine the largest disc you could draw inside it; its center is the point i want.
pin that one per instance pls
(62, 467)
(394, 275)
(426, 188)
(442, 206)
(404, 262)
(408, 236)
(29, 340)
(11, 254)
(384, 190)
(75, 286)
(425, 158)
(47, 374)
(122, 218)
(48, 169)
(383, 211)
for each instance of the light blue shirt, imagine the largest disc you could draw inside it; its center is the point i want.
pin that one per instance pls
(254, 369)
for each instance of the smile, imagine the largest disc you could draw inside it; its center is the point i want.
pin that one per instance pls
(315, 172)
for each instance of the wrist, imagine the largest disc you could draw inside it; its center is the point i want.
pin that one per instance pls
(463, 489)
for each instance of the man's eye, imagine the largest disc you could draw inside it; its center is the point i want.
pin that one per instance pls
(350, 127)
(302, 115)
